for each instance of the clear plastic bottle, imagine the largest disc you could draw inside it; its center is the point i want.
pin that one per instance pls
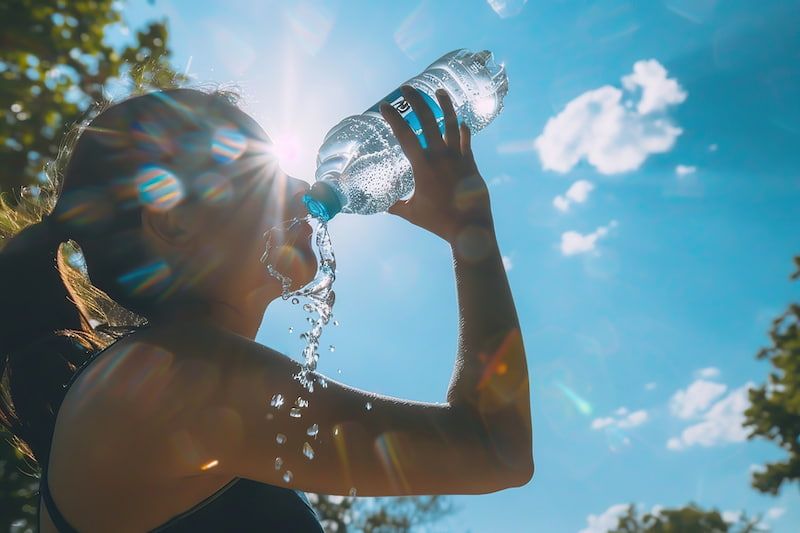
(361, 167)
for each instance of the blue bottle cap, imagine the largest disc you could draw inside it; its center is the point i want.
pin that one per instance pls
(322, 201)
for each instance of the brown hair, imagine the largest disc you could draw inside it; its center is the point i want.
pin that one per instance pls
(86, 220)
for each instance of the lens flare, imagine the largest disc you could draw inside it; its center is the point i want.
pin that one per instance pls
(581, 405)
(227, 144)
(155, 275)
(213, 188)
(158, 188)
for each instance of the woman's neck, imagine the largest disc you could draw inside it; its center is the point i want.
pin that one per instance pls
(242, 317)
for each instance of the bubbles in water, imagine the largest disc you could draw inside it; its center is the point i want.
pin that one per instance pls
(368, 406)
(278, 463)
(308, 451)
(313, 430)
(294, 412)
(301, 402)
(291, 329)
(277, 401)
(287, 476)
(308, 308)
(280, 438)
(295, 301)
(332, 348)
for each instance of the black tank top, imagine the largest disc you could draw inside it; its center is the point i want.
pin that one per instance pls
(243, 505)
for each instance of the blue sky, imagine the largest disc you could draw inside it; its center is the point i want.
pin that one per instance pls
(645, 179)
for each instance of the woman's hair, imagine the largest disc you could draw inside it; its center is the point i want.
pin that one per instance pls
(86, 220)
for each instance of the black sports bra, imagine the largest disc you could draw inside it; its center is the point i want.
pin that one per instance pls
(242, 505)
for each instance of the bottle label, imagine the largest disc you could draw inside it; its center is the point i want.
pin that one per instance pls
(398, 101)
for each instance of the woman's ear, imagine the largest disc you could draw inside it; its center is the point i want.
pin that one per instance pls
(174, 228)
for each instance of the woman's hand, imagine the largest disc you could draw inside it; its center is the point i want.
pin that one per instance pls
(449, 193)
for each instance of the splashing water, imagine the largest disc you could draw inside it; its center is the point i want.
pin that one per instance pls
(312, 430)
(319, 294)
(287, 476)
(278, 463)
(294, 412)
(308, 451)
(276, 401)
(280, 438)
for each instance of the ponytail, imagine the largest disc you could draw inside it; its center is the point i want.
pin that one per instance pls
(40, 343)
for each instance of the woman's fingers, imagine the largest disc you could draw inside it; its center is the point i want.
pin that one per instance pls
(466, 141)
(405, 135)
(452, 135)
(423, 111)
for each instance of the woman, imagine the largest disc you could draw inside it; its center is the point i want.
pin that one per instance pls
(170, 426)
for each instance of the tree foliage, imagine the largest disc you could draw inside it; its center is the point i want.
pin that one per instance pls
(688, 519)
(774, 412)
(379, 515)
(56, 59)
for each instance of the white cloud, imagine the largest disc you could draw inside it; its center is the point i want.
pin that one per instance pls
(708, 372)
(658, 91)
(622, 420)
(516, 147)
(573, 242)
(731, 517)
(507, 8)
(605, 522)
(775, 512)
(685, 170)
(507, 263)
(603, 126)
(696, 398)
(650, 386)
(721, 423)
(500, 179)
(577, 193)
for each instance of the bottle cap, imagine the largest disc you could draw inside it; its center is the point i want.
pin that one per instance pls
(322, 201)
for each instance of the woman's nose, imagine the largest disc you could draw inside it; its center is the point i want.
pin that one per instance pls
(296, 189)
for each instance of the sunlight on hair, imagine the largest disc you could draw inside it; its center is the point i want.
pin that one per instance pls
(210, 464)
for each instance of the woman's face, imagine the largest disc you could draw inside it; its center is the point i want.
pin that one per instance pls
(243, 205)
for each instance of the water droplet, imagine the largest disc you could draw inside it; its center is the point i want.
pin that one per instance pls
(368, 406)
(278, 463)
(308, 451)
(323, 383)
(332, 348)
(313, 430)
(280, 438)
(287, 476)
(277, 401)
(335, 322)
(291, 329)
(301, 402)
(308, 308)
(294, 412)
(335, 430)
(353, 492)
(295, 301)
(338, 370)
(270, 416)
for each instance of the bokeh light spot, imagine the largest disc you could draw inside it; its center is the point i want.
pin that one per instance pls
(158, 188)
(227, 144)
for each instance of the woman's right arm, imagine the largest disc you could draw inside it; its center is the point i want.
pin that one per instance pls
(213, 412)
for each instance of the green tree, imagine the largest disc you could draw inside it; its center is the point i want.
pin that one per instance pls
(774, 412)
(379, 515)
(688, 519)
(55, 61)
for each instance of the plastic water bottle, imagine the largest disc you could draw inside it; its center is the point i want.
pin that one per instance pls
(361, 167)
